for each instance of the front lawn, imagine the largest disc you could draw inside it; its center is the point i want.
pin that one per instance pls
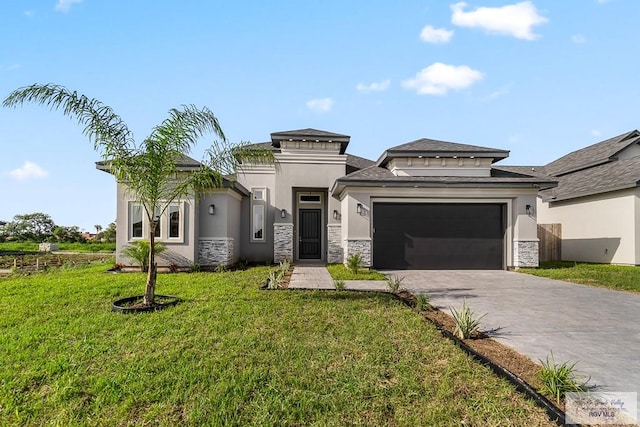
(340, 272)
(618, 277)
(232, 355)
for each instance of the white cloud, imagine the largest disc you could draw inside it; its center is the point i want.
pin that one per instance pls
(28, 171)
(29, 13)
(439, 78)
(505, 90)
(596, 132)
(11, 67)
(515, 20)
(430, 34)
(578, 39)
(320, 105)
(65, 5)
(603, 1)
(374, 87)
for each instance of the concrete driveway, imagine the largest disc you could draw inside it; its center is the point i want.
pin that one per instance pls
(598, 328)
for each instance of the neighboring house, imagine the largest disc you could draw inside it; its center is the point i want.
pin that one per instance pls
(426, 204)
(597, 201)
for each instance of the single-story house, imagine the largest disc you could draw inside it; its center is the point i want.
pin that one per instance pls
(426, 204)
(596, 201)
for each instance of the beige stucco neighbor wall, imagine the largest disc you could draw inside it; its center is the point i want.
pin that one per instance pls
(601, 228)
(181, 253)
(521, 228)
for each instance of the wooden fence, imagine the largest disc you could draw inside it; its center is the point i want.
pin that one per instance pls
(550, 248)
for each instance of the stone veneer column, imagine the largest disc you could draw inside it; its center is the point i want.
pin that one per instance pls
(361, 246)
(282, 242)
(334, 237)
(215, 251)
(525, 253)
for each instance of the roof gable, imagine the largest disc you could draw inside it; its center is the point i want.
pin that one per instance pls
(593, 155)
(431, 148)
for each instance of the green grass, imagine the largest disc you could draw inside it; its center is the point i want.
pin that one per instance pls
(76, 247)
(618, 277)
(232, 355)
(340, 272)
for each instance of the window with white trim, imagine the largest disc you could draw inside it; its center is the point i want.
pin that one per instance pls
(258, 202)
(136, 214)
(170, 226)
(174, 217)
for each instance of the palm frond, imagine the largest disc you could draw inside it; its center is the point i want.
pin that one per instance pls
(109, 133)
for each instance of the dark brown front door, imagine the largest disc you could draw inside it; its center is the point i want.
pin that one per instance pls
(310, 245)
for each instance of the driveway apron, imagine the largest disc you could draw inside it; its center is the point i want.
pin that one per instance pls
(598, 328)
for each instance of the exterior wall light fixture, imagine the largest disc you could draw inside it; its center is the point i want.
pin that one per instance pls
(359, 208)
(212, 209)
(335, 214)
(529, 210)
(283, 213)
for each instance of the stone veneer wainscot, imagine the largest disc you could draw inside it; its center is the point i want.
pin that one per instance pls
(525, 253)
(282, 242)
(334, 235)
(361, 246)
(215, 251)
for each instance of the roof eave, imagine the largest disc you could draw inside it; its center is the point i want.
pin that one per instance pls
(390, 154)
(552, 199)
(339, 185)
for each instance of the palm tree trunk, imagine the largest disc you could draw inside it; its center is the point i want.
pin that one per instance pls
(150, 290)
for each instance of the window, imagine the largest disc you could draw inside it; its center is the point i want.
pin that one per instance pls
(309, 198)
(174, 221)
(170, 224)
(158, 218)
(258, 222)
(258, 208)
(135, 219)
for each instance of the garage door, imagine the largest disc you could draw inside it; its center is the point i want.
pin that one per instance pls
(443, 236)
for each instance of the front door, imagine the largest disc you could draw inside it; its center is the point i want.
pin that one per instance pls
(310, 245)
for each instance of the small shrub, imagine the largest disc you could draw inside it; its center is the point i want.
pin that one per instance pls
(339, 285)
(354, 262)
(117, 267)
(276, 278)
(284, 266)
(195, 267)
(242, 264)
(220, 268)
(558, 379)
(139, 252)
(394, 283)
(466, 322)
(174, 268)
(422, 302)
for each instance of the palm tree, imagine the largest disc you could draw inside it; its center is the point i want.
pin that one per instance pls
(148, 169)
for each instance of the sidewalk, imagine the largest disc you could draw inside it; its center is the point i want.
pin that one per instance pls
(317, 277)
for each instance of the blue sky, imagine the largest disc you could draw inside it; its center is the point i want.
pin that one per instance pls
(539, 78)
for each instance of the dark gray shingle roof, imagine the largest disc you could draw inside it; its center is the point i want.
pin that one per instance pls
(355, 163)
(612, 176)
(308, 133)
(432, 147)
(593, 155)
